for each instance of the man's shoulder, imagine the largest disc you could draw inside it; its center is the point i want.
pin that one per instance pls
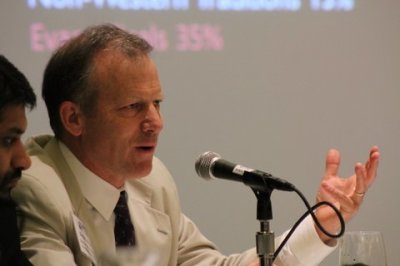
(44, 152)
(42, 180)
(36, 145)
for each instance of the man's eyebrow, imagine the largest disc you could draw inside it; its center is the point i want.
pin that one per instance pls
(139, 98)
(15, 130)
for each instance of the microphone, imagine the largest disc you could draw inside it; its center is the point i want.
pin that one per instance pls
(209, 165)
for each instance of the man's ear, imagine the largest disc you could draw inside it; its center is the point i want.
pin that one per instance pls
(71, 118)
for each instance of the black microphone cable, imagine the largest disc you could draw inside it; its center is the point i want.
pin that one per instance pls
(310, 210)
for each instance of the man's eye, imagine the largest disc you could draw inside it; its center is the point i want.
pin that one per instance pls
(157, 103)
(134, 106)
(8, 141)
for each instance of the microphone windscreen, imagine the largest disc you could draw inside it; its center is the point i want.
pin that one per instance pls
(204, 163)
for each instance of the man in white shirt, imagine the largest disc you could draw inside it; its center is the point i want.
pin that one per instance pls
(103, 97)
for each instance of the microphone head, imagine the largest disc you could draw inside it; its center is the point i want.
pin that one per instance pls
(205, 163)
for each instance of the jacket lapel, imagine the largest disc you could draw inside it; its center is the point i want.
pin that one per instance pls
(79, 205)
(152, 226)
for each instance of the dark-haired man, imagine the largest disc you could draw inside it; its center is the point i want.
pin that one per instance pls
(16, 94)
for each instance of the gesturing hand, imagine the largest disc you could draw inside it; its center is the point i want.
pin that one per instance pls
(346, 194)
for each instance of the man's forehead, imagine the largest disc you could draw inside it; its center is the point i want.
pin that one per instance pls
(13, 118)
(158, 95)
(4, 111)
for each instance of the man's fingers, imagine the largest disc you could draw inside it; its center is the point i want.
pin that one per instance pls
(361, 182)
(373, 150)
(372, 165)
(332, 163)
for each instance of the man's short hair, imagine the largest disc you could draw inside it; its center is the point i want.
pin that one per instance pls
(14, 86)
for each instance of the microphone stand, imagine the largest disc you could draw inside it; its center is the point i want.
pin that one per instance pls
(265, 238)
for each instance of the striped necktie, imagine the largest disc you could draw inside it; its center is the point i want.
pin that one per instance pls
(123, 229)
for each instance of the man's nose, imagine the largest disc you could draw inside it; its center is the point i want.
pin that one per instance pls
(20, 157)
(153, 120)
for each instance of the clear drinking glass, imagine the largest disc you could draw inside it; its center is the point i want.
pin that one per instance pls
(362, 248)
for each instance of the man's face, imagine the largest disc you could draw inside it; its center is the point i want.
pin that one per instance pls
(120, 136)
(13, 157)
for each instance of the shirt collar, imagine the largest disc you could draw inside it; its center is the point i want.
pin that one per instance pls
(100, 194)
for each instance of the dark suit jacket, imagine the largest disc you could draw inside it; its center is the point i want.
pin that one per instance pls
(10, 249)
